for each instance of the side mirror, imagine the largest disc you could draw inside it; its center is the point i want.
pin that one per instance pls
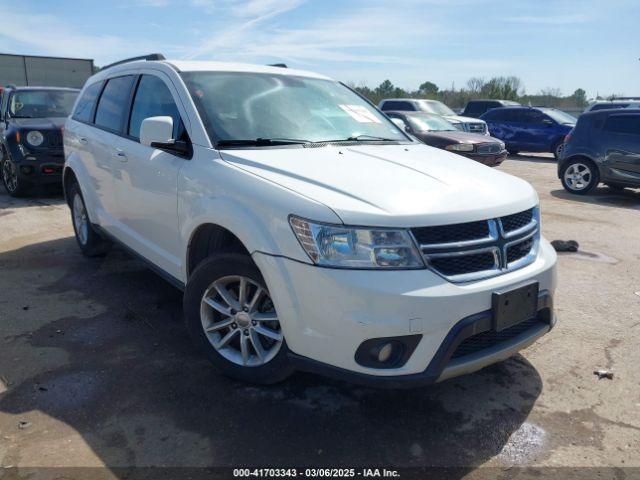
(156, 130)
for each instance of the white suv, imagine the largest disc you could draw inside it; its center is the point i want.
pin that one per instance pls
(307, 231)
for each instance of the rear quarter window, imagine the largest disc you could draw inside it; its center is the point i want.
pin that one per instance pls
(627, 124)
(114, 103)
(86, 103)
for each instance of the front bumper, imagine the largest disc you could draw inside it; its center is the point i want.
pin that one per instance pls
(326, 314)
(491, 160)
(41, 167)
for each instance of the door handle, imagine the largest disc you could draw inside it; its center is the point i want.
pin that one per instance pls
(120, 155)
(83, 140)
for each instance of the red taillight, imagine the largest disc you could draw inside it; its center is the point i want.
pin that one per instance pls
(567, 137)
(48, 170)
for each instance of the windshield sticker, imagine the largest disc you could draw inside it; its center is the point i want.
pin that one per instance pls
(360, 114)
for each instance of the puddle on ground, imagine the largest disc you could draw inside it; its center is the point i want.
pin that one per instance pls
(593, 256)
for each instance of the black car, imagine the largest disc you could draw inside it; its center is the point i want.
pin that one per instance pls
(31, 122)
(475, 108)
(434, 130)
(603, 147)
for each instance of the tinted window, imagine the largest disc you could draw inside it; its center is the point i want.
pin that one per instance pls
(84, 108)
(153, 99)
(478, 108)
(532, 117)
(113, 104)
(629, 124)
(504, 115)
(396, 105)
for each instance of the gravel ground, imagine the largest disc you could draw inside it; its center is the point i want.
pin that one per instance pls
(96, 368)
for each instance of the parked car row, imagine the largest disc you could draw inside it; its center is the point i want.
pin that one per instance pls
(306, 229)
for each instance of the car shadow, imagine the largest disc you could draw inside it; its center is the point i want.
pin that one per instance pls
(537, 158)
(603, 195)
(36, 196)
(103, 349)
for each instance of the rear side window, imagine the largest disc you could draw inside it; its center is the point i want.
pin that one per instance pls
(84, 108)
(114, 103)
(477, 108)
(629, 124)
(503, 115)
(398, 105)
(153, 99)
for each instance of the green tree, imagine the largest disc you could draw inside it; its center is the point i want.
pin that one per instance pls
(580, 98)
(428, 88)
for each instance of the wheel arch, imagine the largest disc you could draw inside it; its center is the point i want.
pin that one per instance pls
(208, 239)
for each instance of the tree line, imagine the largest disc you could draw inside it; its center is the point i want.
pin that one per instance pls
(504, 88)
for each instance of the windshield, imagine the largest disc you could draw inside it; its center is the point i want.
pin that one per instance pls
(425, 123)
(41, 103)
(249, 106)
(433, 106)
(561, 117)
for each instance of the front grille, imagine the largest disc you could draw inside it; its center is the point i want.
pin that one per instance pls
(519, 250)
(470, 251)
(492, 338)
(488, 148)
(476, 127)
(517, 220)
(54, 139)
(464, 264)
(460, 232)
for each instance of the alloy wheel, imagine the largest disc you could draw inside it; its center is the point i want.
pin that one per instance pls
(80, 219)
(10, 175)
(578, 176)
(240, 321)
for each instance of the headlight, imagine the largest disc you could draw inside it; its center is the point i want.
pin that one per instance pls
(460, 147)
(35, 138)
(348, 247)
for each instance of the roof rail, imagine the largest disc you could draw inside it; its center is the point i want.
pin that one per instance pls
(150, 57)
(281, 65)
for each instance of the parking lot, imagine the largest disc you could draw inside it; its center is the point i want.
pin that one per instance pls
(96, 368)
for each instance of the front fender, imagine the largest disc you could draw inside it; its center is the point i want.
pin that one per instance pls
(254, 209)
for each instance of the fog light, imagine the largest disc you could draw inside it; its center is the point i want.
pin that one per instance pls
(26, 169)
(385, 352)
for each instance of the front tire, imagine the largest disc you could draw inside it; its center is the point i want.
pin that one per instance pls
(580, 176)
(90, 242)
(10, 178)
(231, 318)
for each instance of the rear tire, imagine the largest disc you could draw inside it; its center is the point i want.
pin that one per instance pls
(579, 176)
(90, 242)
(558, 147)
(230, 327)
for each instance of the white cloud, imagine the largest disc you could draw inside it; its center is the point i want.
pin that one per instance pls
(550, 19)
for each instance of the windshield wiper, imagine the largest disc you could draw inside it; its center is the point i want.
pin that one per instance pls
(259, 142)
(362, 138)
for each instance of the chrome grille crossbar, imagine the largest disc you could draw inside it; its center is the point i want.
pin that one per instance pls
(488, 255)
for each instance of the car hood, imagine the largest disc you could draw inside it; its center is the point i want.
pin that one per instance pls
(53, 123)
(454, 136)
(390, 185)
(461, 119)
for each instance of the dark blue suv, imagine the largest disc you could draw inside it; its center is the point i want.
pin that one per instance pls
(530, 129)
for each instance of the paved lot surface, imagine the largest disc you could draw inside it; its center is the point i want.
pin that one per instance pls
(96, 364)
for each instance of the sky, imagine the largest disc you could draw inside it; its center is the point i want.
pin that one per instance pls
(563, 44)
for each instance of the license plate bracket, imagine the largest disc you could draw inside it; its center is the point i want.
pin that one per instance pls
(511, 307)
